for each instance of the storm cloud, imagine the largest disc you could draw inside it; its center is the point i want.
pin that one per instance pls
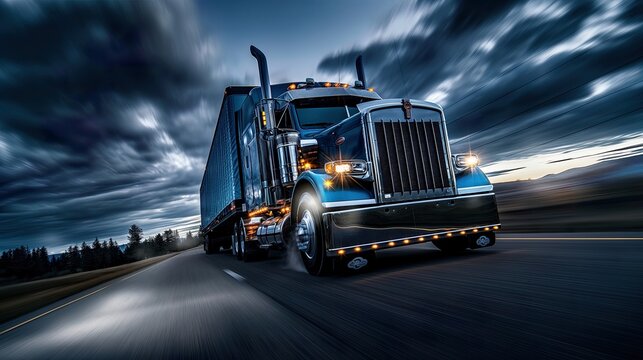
(515, 77)
(106, 109)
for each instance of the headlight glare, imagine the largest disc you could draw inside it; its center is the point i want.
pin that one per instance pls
(465, 161)
(352, 167)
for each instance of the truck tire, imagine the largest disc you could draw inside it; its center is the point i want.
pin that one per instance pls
(452, 246)
(210, 246)
(235, 241)
(309, 235)
(240, 240)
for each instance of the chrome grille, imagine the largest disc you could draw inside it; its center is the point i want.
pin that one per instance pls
(412, 159)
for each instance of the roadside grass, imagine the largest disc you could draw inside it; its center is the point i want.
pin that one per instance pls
(22, 298)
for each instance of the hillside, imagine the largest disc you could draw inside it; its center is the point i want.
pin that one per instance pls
(602, 197)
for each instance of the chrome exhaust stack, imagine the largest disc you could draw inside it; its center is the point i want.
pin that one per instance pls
(278, 148)
(359, 65)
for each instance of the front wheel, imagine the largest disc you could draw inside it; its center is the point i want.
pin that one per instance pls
(309, 235)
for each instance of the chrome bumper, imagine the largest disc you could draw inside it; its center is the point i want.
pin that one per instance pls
(407, 223)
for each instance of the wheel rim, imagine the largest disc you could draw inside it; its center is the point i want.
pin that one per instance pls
(306, 234)
(235, 235)
(242, 239)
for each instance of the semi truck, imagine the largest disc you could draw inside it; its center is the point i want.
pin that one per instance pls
(338, 173)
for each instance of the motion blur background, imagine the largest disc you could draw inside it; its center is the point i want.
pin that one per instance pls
(107, 108)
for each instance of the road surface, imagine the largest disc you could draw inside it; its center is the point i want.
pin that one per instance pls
(519, 299)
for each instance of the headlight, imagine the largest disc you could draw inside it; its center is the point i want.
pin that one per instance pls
(352, 167)
(466, 161)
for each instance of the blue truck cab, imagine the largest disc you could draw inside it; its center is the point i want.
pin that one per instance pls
(339, 173)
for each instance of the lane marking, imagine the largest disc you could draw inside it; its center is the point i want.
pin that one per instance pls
(73, 301)
(570, 238)
(234, 275)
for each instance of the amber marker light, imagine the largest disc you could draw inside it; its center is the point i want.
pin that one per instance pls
(327, 84)
(374, 246)
(449, 234)
(475, 230)
(495, 228)
(307, 166)
(486, 229)
(435, 236)
(341, 252)
(371, 89)
(292, 87)
(462, 232)
(358, 249)
(390, 243)
(421, 239)
(406, 241)
(328, 184)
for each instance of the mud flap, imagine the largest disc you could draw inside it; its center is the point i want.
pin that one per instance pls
(355, 263)
(480, 240)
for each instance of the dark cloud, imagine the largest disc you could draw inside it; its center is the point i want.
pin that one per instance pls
(514, 74)
(106, 111)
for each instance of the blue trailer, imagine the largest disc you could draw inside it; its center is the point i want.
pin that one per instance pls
(340, 173)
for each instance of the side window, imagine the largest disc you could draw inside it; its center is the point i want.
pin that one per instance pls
(283, 119)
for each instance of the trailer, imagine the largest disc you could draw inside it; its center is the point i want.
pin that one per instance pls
(338, 172)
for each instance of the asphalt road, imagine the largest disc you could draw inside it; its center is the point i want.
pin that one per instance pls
(519, 299)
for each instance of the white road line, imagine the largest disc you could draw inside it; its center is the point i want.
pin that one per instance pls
(70, 302)
(234, 275)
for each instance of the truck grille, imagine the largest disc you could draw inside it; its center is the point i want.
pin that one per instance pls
(412, 159)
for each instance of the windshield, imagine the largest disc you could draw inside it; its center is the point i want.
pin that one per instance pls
(315, 113)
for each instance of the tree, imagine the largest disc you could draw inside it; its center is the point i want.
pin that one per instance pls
(159, 244)
(135, 235)
(87, 258)
(134, 251)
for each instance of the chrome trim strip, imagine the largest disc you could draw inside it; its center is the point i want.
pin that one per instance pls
(333, 204)
(406, 203)
(376, 104)
(307, 142)
(475, 189)
(413, 238)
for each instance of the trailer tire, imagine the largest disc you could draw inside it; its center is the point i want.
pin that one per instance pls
(453, 246)
(237, 238)
(309, 237)
(210, 246)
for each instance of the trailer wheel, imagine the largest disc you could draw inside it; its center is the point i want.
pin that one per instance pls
(309, 235)
(456, 245)
(239, 247)
(210, 246)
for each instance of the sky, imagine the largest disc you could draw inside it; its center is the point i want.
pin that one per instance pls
(107, 108)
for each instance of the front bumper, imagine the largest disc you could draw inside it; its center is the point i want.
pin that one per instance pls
(407, 223)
